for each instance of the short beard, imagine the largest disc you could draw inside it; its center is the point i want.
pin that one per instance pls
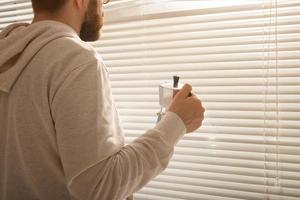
(92, 23)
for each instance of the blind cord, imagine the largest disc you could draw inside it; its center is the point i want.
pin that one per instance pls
(277, 96)
(265, 100)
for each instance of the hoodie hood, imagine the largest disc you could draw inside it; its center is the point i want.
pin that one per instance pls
(20, 42)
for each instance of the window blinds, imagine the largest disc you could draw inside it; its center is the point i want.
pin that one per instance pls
(243, 60)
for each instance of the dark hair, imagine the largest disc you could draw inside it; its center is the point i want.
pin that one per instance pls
(47, 5)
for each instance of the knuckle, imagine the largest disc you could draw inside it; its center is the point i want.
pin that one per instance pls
(189, 85)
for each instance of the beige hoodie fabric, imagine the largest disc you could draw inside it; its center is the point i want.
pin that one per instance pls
(60, 132)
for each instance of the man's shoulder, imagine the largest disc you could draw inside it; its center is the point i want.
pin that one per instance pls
(72, 50)
(64, 55)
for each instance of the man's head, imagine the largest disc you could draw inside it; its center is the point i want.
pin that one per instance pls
(85, 13)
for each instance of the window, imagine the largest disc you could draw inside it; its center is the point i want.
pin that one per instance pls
(243, 59)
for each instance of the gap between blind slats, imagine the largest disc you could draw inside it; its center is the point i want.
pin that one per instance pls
(248, 81)
(212, 144)
(220, 113)
(249, 131)
(216, 89)
(207, 74)
(229, 79)
(254, 172)
(225, 130)
(15, 6)
(133, 115)
(3, 2)
(292, 124)
(222, 90)
(233, 115)
(196, 36)
(198, 19)
(7, 14)
(236, 49)
(227, 177)
(237, 171)
(16, 19)
(288, 107)
(217, 141)
(253, 25)
(153, 196)
(215, 98)
(223, 191)
(119, 87)
(171, 67)
(217, 137)
(188, 42)
(175, 192)
(224, 185)
(213, 106)
(183, 151)
(205, 60)
(197, 193)
(243, 147)
(221, 106)
(243, 163)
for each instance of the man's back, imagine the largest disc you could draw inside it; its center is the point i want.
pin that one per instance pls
(44, 57)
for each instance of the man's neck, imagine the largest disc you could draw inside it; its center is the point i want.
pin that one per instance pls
(66, 20)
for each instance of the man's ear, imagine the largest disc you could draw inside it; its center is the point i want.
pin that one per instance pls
(81, 4)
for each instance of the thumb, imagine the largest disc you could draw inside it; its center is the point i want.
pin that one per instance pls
(184, 92)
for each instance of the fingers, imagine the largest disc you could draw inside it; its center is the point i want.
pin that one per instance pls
(193, 94)
(184, 92)
(200, 114)
(194, 125)
(199, 109)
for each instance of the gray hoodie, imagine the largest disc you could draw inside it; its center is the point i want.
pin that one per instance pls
(60, 132)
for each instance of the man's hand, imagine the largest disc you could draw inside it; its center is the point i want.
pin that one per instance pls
(189, 109)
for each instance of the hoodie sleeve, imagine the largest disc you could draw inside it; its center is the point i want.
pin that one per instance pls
(96, 163)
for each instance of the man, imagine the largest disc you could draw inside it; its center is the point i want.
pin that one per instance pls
(61, 137)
